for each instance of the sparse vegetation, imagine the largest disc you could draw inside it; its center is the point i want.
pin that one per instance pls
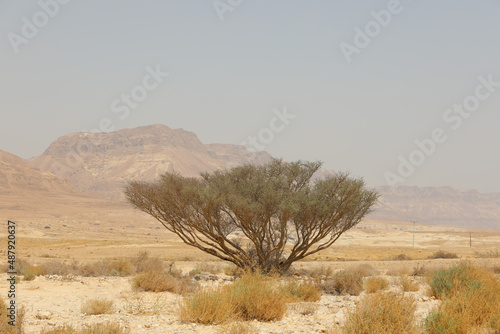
(106, 267)
(490, 254)
(419, 271)
(400, 257)
(278, 198)
(470, 300)
(364, 270)
(97, 306)
(138, 305)
(382, 313)
(343, 282)
(407, 284)
(30, 273)
(374, 284)
(349, 281)
(161, 281)
(305, 308)
(318, 272)
(102, 328)
(143, 263)
(238, 327)
(441, 254)
(253, 296)
(301, 292)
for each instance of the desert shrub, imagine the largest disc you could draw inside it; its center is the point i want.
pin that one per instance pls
(496, 269)
(441, 254)
(102, 328)
(253, 296)
(30, 273)
(139, 305)
(231, 270)
(397, 272)
(304, 308)
(301, 292)
(419, 271)
(374, 284)
(5, 327)
(489, 254)
(343, 282)
(160, 281)
(470, 299)
(238, 327)
(208, 306)
(256, 297)
(382, 313)
(318, 272)
(400, 257)
(445, 282)
(407, 284)
(61, 268)
(144, 263)
(212, 268)
(107, 267)
(97, 306)
(194, 272)
(363, 269)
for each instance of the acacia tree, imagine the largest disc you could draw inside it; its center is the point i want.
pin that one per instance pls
(281, 213)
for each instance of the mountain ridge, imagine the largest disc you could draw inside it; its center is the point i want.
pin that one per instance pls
(145, 153)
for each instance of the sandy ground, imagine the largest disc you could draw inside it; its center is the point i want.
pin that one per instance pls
(54, 300)
(89, 231)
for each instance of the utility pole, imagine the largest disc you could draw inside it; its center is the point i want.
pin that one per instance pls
(413, 221)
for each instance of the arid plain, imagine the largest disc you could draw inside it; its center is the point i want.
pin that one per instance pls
(78, 219)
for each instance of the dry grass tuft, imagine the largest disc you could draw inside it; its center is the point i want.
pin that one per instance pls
(107, 267)
(31, 272)
(138, 305)
(363, 269)
(471, 300)
(102, 328)
(441, 254)
(318, 272)
(97, 306)
(238, 327)
(342, 283)
(301, 292)
(253, 296)
(304, 308)
(397, 272)
(407, 284)
(374, 284)
(231, 270)
(490, 254)
(382, 313)
(400, 257)
(419, 271)
(160, 281)
(144, 263)
(208, 306)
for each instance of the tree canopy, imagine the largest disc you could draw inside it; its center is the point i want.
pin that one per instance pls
(282, 214)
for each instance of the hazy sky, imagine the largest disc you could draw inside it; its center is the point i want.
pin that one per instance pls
(351, 83)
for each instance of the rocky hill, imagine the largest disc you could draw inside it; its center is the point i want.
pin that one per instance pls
(18, 175)
(100, 164)
(443, 206)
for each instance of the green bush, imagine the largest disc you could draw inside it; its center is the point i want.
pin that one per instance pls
(470, 300)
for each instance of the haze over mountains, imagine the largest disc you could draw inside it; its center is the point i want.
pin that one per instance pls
(100, 164)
